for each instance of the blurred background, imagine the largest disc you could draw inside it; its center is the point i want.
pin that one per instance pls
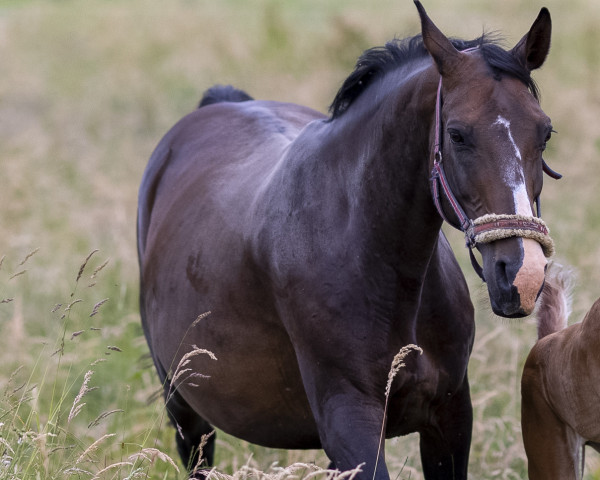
(88, 88)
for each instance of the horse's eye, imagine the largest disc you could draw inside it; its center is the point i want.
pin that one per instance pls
(455, 137)
(547, 139)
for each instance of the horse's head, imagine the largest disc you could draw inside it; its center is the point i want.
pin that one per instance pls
(492, 133)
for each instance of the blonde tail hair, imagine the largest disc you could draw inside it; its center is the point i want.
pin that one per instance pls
(555, 301)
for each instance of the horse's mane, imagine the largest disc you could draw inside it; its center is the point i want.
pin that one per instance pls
(378, 61)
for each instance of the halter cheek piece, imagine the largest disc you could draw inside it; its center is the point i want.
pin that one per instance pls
(491, 227)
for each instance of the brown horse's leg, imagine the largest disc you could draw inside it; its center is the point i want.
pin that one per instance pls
(445, 444)
(553, 449)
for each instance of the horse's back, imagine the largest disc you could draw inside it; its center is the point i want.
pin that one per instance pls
(220, 142)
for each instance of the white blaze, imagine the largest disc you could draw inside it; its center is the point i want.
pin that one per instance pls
(514, 177)
(530, 277)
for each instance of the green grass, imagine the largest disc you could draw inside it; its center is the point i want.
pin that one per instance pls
(87, 88)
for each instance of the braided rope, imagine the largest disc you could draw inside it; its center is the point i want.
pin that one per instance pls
(491, 227)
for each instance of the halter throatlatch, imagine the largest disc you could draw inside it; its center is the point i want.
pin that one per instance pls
(490, 227)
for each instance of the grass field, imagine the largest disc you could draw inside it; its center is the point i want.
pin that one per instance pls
(87, 88)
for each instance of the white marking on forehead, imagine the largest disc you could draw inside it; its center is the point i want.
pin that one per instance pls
(506, 124)
(516, 180)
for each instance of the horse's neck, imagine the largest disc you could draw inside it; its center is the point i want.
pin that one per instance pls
(382, 144)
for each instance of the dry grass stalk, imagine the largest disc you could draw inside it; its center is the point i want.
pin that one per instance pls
(28, 256)
(348, 474)
(200, 317)
(112, 467)
(299, 471)
(77, 406)
(93, 447)
(84, 264)
(12, 378)
(151, 454)
(76, 334)
(6, 445)
(98, 269)
(203, 441)
(102, 416)
(18, 274)
(97, 306)
(77, 471)
(397, 364)
(61, 447)
(185, 360)
(70, 305)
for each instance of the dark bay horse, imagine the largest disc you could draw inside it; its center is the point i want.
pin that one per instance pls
(315, 242)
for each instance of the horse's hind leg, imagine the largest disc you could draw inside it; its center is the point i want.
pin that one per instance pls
(445, 444)
(190, 430)
(190, 427)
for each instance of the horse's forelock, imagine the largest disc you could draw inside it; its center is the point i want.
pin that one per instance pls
(504, 62)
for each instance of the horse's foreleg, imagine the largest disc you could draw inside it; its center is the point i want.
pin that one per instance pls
(349, 421)
(350, 436)
(553, 449)
(445, 444)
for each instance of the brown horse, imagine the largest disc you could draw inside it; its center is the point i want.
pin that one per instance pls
(560, 394)
(316, 245)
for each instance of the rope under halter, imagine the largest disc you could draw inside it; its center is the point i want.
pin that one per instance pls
(490, 227)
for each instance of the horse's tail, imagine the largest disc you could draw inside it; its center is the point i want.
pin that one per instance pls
(223, 93)
(555, 300)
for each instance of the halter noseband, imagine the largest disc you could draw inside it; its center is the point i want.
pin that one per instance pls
(487, 228)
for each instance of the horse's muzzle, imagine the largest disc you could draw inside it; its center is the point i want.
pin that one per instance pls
(515, 270)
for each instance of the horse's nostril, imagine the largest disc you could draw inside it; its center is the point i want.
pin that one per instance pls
(502, 275)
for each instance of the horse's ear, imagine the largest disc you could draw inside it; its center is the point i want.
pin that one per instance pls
(437, 44)
(533, 48)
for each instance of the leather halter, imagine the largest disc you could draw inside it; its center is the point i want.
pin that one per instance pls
(489, 227)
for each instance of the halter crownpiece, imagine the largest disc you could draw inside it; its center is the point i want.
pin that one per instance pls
(490, 227)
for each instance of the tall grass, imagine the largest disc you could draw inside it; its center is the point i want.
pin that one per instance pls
(60, 407)
(86, 91)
